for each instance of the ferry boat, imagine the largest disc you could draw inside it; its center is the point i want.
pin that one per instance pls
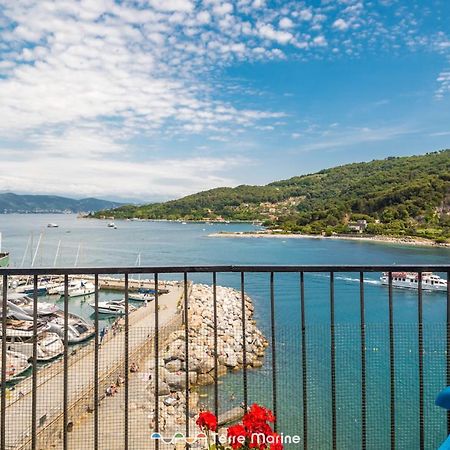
(410, 280)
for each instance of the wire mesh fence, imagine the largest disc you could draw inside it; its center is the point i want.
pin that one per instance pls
(335, 355)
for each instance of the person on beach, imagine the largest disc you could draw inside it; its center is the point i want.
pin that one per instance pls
(102, 335)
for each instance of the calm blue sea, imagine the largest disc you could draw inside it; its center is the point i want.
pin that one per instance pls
(163, 243)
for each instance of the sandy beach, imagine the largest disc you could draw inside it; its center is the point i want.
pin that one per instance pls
(376, 239)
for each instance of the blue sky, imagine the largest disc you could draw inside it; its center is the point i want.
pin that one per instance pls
(153, 99)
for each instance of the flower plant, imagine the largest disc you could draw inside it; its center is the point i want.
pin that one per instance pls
(253, 432)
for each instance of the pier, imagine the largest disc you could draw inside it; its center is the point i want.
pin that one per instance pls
(80, 376)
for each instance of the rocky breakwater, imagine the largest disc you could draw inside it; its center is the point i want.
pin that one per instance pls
(201, 361)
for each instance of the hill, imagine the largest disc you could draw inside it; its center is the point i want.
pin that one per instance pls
(14, 203)
(395, 196)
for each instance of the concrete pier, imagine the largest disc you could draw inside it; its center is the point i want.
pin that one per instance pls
(81, 375)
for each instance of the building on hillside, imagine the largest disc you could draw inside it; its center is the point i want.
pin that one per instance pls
(359, 226)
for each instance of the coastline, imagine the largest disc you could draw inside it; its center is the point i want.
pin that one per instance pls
(407, 241)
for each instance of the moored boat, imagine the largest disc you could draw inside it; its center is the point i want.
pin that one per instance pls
(112, 307)
(141, 296)
(19, 338)
(16, 364)
(410, 280)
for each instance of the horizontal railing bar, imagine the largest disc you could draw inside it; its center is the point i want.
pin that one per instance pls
(222, 269)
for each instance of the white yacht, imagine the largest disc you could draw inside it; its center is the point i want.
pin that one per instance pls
(16, 365)
(410, 280)
(112, 307)
(75, 288)
(19, 338)
(27, 305)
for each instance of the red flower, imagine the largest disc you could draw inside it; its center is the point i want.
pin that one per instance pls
(236, 436)
(275, 442)
(207, 420)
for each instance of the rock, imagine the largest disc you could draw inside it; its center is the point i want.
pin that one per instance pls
(174, 365)
(204, 379)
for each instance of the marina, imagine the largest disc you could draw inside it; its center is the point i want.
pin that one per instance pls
(51, 377)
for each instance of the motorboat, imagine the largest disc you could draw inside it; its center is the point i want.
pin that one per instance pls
(28, 289)
(410, 280)
(112, 225)
(84, 289)
(26, 304)
(141, 296)
(19, 338)
(58, 289)
(78, 329)
(16, 364)
(52, 225)
(75, 288)
(112, 307)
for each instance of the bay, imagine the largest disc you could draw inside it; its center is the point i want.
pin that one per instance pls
(174, 243)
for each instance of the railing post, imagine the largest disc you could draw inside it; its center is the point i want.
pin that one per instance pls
(216, 355)
(244, 341)
(363, 363)
(333, 364)
(274, 362)
(304, 362)
(126, 363)
(66, 362)
(156, 360)
(420, 349)
(391, 363)
(34, 368)
(96, 361)
(3, 385)
(186, 349)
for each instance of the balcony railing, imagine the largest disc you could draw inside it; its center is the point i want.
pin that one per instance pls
(349, 363)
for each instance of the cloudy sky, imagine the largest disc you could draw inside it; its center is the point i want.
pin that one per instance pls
(154, 99)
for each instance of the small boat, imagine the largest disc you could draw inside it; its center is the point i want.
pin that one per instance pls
(19, 338)
(112, 307)
(112, 225)
(75, 288)
(410, 280)
(78, 329)
(52, 225)
(28, 289)
(16, 365)
(83, 290)
(141, 296)
(26, 304)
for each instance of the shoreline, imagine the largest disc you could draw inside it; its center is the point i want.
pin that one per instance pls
(406, 241)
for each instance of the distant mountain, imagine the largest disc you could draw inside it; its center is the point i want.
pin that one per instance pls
(403, 196)
(14, 203)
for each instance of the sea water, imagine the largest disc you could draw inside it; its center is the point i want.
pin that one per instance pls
(174, 243)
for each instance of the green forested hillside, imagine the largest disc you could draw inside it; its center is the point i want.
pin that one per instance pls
(396, 196)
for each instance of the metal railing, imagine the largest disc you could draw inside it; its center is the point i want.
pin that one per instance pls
(37, 432)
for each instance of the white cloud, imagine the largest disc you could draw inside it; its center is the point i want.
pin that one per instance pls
(285, 22)
(94, 77)
(267, 31)
(340, 24)
(320, 41)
